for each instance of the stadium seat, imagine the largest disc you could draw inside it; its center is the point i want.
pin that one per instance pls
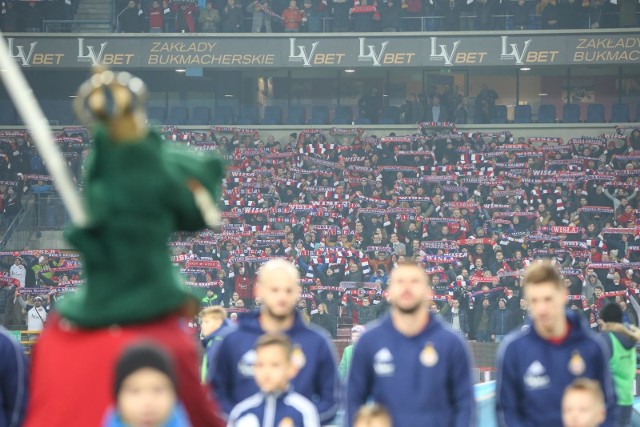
(382, 121)
(223, 116)
(272, 115)
(178, 116)
(343, 115)
(7, 113)
(156, 114)
(391, 112)
(364, 121)
(199, 116)
(58, 111)
(570, 113)
(595, 113)
(249, 115)
(296, 115)
(500, 115)
(319, 115)
(522, 114)
(547, 113)
(620, 113)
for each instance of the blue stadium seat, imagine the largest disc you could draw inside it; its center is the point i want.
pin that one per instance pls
(595, 113)
(250, 114)
(522, 114)
(391, 112)
(343, 115)
(156, 114)
(223, 116)
(178, 116)
(58, 111)
(7, 113)
(547, 113)
(319, 115)
(570, 113)
(365, 121)
(500, 115)
(200, 116)
(296, 115)
(382, 121)
(272, 116)
(620, 113)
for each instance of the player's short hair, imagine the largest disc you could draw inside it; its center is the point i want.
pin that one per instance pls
(587, 385)
(216, 312)
(411, 263)
(275, 339)
(367, 413)
(542, 272)
(281, 265)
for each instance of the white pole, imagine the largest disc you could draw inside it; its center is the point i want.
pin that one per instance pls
(33, 117)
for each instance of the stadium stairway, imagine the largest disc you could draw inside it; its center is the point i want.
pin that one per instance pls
(94, 10)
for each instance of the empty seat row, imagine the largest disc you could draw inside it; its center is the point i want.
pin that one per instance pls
(570, 114)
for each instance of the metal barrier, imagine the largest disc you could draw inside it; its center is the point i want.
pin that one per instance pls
(71, 25)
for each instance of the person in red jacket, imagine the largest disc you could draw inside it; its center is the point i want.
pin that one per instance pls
(244, 284)
(292, 18)
(156, 16)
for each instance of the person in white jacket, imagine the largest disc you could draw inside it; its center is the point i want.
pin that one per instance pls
(18, 271)
(36, 316)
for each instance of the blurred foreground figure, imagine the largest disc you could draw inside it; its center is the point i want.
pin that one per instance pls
(138, 191)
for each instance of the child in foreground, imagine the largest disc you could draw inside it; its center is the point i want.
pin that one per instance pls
(212, 324)
(372, 416)
(146, 390)
(583, 404)
(276, 404)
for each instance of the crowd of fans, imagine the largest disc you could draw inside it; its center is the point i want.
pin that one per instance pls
(232, 16)
(475, 208)
(29, 16)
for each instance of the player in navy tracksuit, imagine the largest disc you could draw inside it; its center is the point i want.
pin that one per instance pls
(231, 370)
(535, 364)
(412, 363)
(13, 381)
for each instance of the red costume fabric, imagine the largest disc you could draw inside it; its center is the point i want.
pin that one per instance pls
(81, 396)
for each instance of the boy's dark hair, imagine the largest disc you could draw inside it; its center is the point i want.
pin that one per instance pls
(611, 313)
(140, 356)
(275, 339)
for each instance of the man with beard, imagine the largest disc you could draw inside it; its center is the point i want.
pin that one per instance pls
(410, 362)
(231, 367)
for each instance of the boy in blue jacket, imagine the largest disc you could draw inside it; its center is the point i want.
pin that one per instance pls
(411, 362)
(213, 325)
(535, 365)
(231, 370)
(14, 379)
(276, 404)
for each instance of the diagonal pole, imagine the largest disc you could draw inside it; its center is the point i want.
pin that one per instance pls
(25, 102)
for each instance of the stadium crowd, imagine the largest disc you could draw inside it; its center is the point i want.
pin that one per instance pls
(231, 16)
(473, 207)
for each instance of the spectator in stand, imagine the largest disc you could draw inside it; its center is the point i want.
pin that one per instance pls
(629, 317)
(209, 19)
(390, 17)
(485, 104)
(292, 18)
(347, 354)
(231, 370)
(412, 12)
(482, 317)
(570, 14)
(322, 318)
(14, 381)
(232, 17)
(15, 308)
(36, 315)
(311, 18)
(130, 19)
(11, 19)
(458, 317)
(18, 271)
(549, 18)
(261, 16)
(32, 16)
(185, 18)
(156, 18)
(211, 299)
(168, 17)
(370, 105)
(484, 15)
(501, 321)
(521, 11)
(437, 112)
(341, 22)
(450, 10)
(363, 16)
